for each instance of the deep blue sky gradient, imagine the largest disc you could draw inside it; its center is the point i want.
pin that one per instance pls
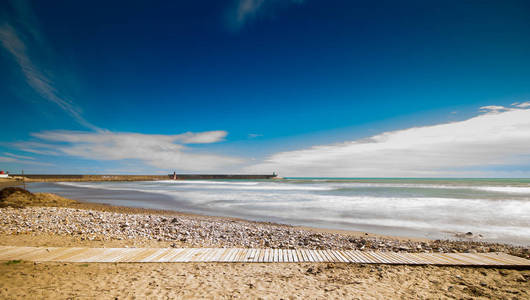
(298, 74)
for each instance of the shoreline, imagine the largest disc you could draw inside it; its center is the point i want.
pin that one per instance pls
(105, 207)
(164, 203)
(77, 224)
(82, 222)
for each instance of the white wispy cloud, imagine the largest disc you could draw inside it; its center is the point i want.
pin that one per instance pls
(18, 44)
(10, 159)
(18, 156)
(243, 11)
(161, 151)
(254, 135)
(501, 138)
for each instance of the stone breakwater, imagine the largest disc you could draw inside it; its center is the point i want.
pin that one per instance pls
(198, 231)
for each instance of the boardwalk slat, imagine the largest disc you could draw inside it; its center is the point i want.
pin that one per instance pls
(183, 256)
(13, 253)
(319, 256)
(240, 256)
(391, 258)
(308, 255)
(379, 258)
(369, 258)
(330, 256)
(265, 256)
(445, 257)
(507, 259)
(350, 255)
(222, 252)
(500, 258)
(228, 257)
(256, 255)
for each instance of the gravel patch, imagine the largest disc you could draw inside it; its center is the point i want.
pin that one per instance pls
(192, 231)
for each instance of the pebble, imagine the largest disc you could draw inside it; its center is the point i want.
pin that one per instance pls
(196, 231)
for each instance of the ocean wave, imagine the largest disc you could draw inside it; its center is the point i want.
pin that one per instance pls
(505, 189)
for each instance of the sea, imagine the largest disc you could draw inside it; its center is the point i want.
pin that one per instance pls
(493, 210)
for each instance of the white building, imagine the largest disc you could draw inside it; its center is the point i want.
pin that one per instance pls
(3, 175)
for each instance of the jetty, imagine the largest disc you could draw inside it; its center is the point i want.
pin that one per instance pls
(176, 176)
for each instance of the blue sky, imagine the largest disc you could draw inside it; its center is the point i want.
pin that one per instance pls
(264, 85)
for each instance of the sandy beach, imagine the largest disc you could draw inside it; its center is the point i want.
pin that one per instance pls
(50, 220)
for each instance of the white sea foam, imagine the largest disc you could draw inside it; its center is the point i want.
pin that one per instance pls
(506, 189)
(497, 212)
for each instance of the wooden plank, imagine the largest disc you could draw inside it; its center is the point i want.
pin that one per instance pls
(323, 255)
(191, 253)
(236, 254)
(290, 255)
(407, 259)
(209, 253)
(378, 257)
(348, 254)
(182, 257)
(304, 255)
(12, 253)
(498, 258)
(250, 255)
(261, 255)
(443, 256)
(341, 256)
(221, 255)
(335, 256)
(59, 253)
(329, 256)
(392, 259)
(294, 254)
(299, 256)
(215, 256)
(507, 259)
(346, 257)
(255, 255)
(258, 255)
(317, 256)
(473, 259)
(265, 255)
(241, 254)
(230, 255)
(200, 255)
(31, 254)
(168, 256)
(368, 258)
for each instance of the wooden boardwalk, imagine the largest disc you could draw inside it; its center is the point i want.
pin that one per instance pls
(61, 254)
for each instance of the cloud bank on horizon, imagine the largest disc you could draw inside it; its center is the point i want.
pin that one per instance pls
(160, 151)
(498, 138)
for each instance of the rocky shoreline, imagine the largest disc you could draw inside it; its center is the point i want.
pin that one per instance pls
(200, 231)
